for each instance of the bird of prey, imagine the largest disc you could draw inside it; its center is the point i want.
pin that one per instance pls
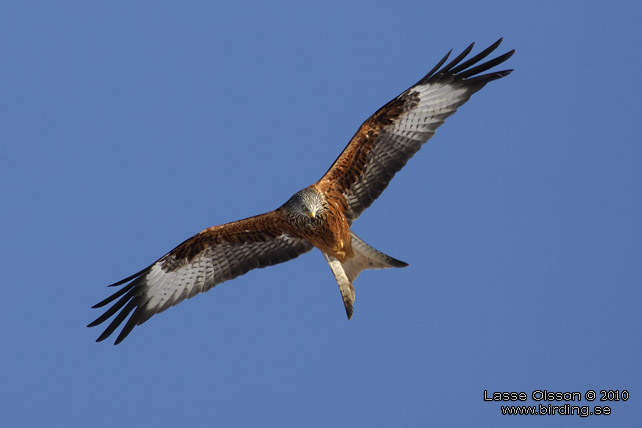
(318, 216)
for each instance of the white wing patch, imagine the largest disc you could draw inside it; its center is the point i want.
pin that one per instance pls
(436, 103)
(165, 289)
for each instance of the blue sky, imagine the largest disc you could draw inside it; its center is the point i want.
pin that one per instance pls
(129, 126)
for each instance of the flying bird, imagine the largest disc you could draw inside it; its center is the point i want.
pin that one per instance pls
(318, 216)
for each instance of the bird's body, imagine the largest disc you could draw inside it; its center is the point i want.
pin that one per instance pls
(318, 216)
(321, 221)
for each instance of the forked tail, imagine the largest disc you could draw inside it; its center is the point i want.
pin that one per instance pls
(365, 257)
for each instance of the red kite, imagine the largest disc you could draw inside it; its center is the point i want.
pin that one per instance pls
(318, 216)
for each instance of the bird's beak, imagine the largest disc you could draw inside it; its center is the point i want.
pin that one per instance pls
(313, 214)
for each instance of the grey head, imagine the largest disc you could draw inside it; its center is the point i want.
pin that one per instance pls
(306, 207)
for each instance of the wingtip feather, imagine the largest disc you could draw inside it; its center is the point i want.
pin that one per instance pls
(436, 67)
(129, 278)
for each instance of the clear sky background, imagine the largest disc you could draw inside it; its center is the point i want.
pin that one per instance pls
(128, 126)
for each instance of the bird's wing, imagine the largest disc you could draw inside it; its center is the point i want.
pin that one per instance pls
(198, 264)
(387, 139)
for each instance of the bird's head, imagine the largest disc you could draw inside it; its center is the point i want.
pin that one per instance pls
(306, 205)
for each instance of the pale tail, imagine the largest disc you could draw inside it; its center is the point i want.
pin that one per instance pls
(365, 257)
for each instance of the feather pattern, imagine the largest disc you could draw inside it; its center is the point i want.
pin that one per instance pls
(209, 258)
(390, 137)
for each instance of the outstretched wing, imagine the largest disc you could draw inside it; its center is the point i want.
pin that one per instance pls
(385, 141)
(198, 264)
